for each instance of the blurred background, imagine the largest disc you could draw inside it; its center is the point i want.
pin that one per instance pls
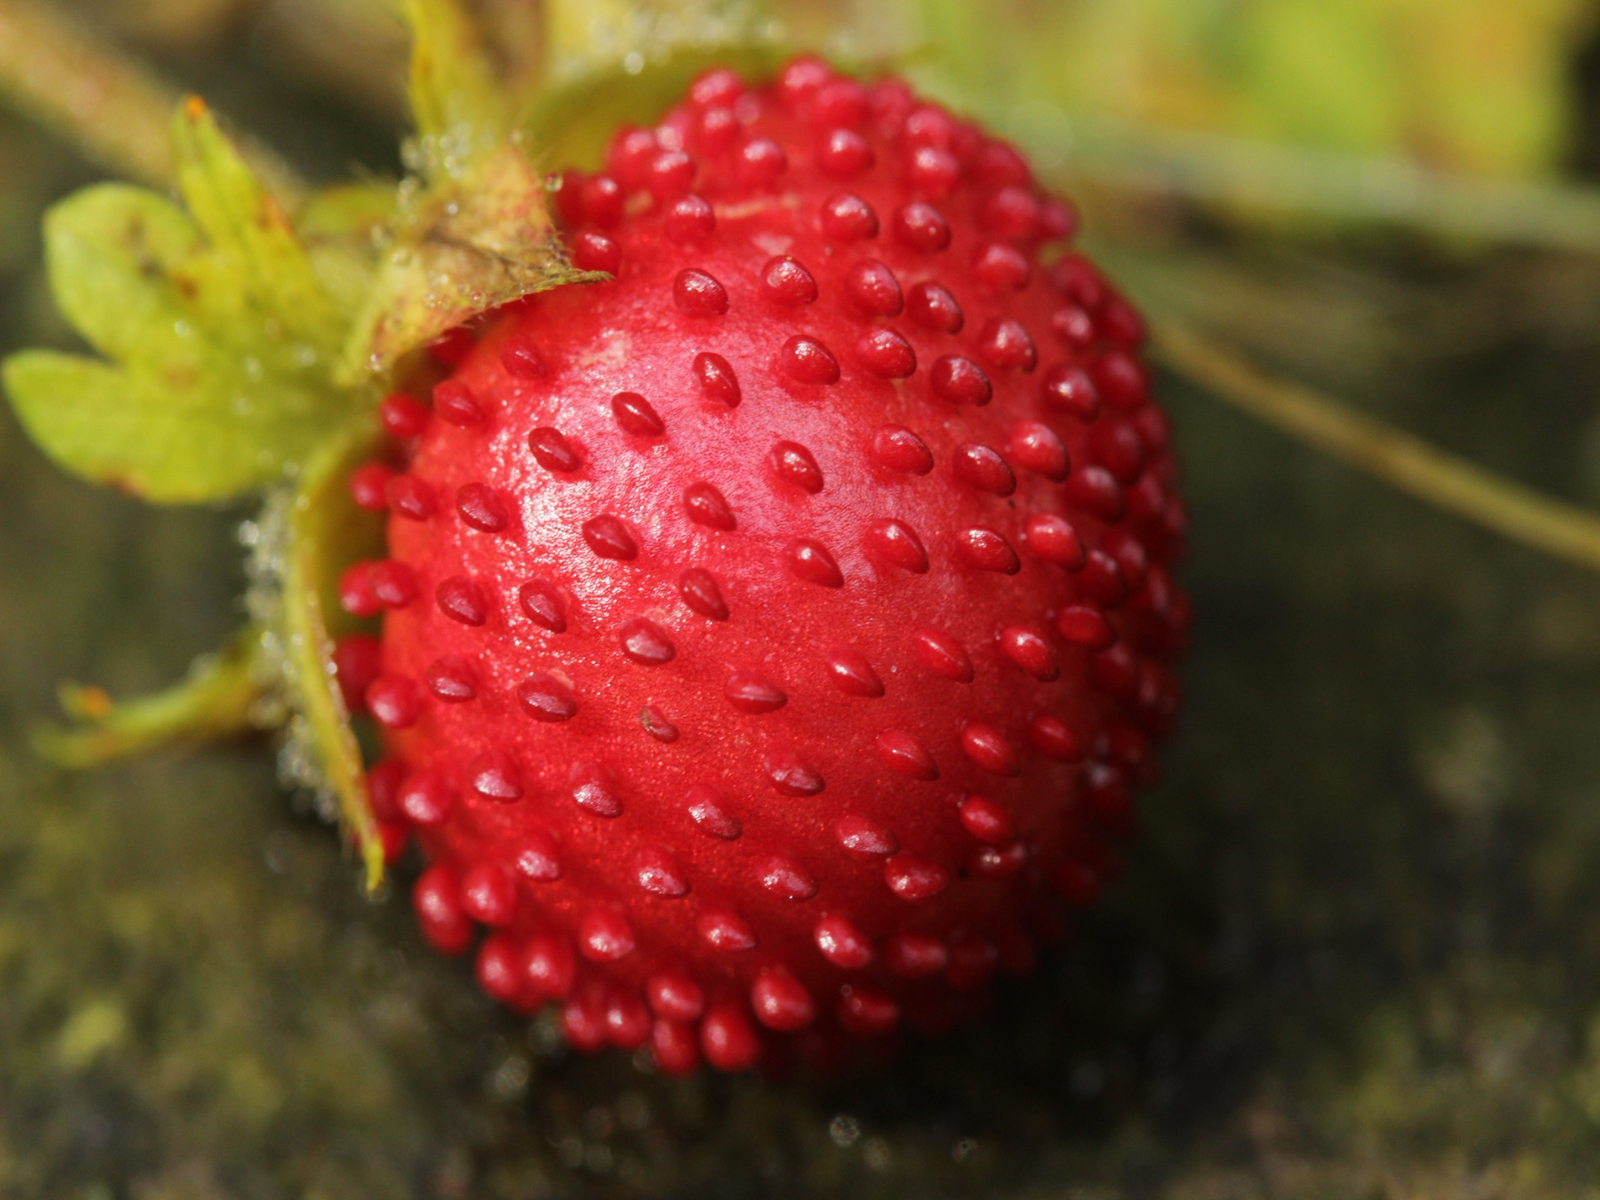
(1357, 952)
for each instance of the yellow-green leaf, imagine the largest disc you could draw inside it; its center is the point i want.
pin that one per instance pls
(462, 247)
(1477, 86)
(119, 260)
(184, 434)
(250, 238)
(222, 338)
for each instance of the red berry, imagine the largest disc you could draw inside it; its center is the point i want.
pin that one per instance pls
(848, 218)
(367, 486)
(602, 201)
(873, 289)
(899, 449)
(806, 360)
(357, 660)
(728, 1039)
(844, 154)
(717, 131)
(764, 647)
(839, 104)
(384, 782)
(716, 87)
(759, 163)
(596, 252)
(498, 969)
(960, 381)
(690, 221)
(785, 280)
(426, 798)
(934, 308)
(698, 294)
(410, 497)
(674, 1047)
(520, 356)
(454, 402)
(437, 898)
(921, 227)
(452, 346)
(403, 416)
(394, 701)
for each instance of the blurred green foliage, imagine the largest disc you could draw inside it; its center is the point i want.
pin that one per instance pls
(1473, 85)
(1480, 86)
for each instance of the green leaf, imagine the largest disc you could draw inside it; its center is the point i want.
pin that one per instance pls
(121, 266)
(1481, 87)
(474, 231)
(252, 243)
(181, 435)
(459, 248)
(221, 335)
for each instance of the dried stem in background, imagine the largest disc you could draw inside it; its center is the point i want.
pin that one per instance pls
(1370, 445)
(1262, 178)
(113, 108)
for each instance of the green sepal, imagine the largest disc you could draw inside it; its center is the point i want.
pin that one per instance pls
(570, 124)
(591, 37)
(326, 532)
(339, 227)
(218, 699)
(453, 91)
(459, 247)
(251, 240)
(221, 338)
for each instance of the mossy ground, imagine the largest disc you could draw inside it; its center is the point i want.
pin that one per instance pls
(1357, 953)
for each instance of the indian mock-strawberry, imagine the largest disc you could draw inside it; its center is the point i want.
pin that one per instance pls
(773, 633)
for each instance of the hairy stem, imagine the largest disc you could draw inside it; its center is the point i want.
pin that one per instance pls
(114, 109)
(1370, 445)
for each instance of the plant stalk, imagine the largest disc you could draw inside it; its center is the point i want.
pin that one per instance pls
(114, 109)
(1260, 178)
(1392, 455)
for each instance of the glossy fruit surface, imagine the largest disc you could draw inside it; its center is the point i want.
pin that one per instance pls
(772, 635)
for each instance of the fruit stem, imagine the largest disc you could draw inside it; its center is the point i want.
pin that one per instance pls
(113, 108)
(1260, 177)
(1390, 454)
(218, 699)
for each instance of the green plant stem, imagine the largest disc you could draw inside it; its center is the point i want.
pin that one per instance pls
(1370, 445)
(114, 109)
(1262, 177)
(217, 700)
